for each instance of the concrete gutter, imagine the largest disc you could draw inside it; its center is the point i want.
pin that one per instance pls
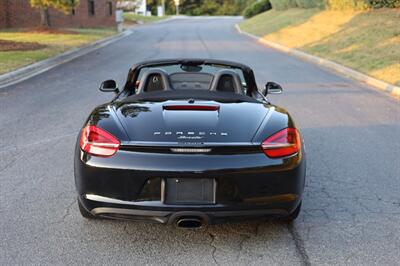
(348, 72)
(32, 70)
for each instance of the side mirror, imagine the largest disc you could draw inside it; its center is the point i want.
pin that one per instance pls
(109, 86)
(272, 88)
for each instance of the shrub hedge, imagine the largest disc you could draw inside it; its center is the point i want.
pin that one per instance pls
(384, 3)
(347, 4)
(334, 4)
(257, 8)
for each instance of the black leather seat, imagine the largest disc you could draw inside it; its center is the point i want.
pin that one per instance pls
(155, 79)
(227, 80)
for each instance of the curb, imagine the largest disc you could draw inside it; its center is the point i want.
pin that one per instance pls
(163, 20)
(346, 71)
(34, 69)
(141, 24)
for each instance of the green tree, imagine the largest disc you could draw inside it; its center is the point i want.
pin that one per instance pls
(189, 7)
(63, 5)
(203, 7)
(208, 7)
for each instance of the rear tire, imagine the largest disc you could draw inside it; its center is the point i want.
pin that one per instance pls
(291, 217)
(86, 214)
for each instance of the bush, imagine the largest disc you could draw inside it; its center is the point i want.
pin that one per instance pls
(331, 4)
(384, 3)
(347, 4)
(257, 8)
(361, 4)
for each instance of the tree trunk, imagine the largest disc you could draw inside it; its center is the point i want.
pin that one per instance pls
(44, 17)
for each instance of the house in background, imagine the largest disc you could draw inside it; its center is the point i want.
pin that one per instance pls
(142, 8)
(88, 14)
(136, 6)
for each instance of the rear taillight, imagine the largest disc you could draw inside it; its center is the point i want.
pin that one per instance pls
(99, 142)
(283, 143)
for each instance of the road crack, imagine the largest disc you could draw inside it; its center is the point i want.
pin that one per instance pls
(244, 237)
(208, 51)
(10, 163)
(299, 243)
(214, 248)
(68, 209)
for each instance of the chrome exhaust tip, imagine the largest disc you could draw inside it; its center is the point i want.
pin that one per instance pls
(189, 223)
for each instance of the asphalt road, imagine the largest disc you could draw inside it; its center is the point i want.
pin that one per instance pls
(351, 208)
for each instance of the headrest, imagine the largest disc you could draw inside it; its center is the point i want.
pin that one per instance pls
(227, 80)
(155, 79)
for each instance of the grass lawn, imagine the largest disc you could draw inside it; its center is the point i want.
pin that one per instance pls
(368, 41)
(134, 18)
(49, 43)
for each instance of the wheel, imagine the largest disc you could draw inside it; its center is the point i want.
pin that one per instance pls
(291, 217)
(86, 214)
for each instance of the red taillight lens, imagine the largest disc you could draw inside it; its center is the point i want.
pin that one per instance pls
(283, 143)
(99, 142)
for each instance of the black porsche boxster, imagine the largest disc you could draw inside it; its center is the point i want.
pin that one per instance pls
(189, 142)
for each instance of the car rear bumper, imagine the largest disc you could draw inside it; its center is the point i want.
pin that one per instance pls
(160, 213)
(129, 185)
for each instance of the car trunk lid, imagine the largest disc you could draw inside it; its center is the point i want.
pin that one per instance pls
(189, 121)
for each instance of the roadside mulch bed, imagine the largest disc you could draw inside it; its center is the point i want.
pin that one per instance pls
(6, 46)
(49, 30)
